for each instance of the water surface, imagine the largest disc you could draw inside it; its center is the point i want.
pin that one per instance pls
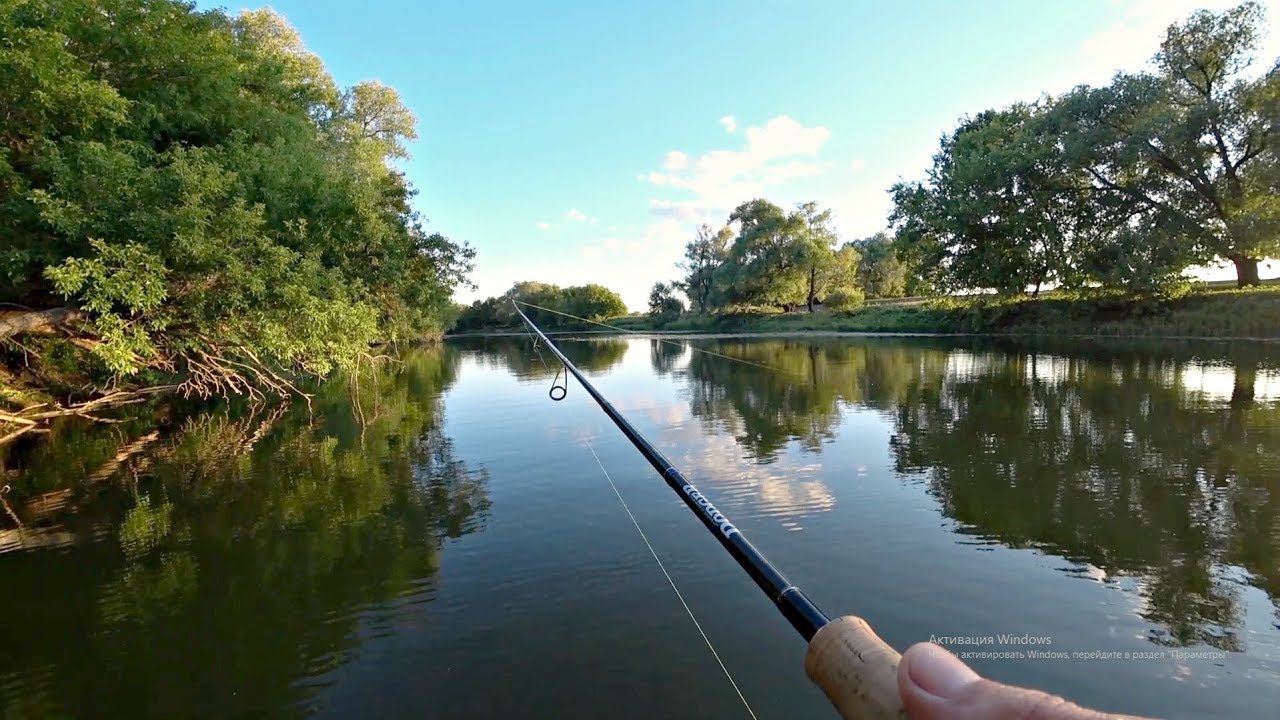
(437, 540)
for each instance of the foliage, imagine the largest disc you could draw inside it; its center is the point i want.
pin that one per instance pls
(593, 302)
(1123, 186)
(1246, 313)
(544, 304)
(845, 299)
(663, 304)
(765, 263)
(1000, 208)
(703, 255)
(780, 259)
(880, 273)
(201, 187)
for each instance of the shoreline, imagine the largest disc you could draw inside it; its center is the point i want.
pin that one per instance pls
(1236, 315)
(712, 335)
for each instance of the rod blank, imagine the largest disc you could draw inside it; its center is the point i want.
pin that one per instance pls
(846, 659)
(803, 615)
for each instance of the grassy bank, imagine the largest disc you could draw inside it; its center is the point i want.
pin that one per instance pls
(1208, 313)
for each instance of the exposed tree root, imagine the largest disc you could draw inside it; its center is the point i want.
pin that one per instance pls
(34, 418)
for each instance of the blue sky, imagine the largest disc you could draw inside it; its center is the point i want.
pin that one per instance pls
(575, 142)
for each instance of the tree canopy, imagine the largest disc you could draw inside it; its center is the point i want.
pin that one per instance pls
(547, 305)
(204, 196)
(1126, 185)
(766, 256)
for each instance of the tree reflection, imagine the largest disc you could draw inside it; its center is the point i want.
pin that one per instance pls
(665, 355)
(520, 356)
(770, 393)
(1117, 456)
(1113, 463)
(245, 549)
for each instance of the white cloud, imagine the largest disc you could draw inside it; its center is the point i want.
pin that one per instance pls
(576, 215)
(729, 122)
(663, 235)
(544, 226)
(857, 164)
(675, 160)
(780, 150)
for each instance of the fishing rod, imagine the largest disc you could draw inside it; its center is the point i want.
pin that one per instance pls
(846, 659)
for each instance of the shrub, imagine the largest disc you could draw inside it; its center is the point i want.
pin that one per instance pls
(845, 299)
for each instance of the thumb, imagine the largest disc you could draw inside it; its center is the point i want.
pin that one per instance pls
(936, 685)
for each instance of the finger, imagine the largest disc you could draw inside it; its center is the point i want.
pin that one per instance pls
(936, 685)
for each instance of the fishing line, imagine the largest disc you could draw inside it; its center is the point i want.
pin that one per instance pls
(555, 383)
(649, 545)
(855, 668)
(669, 342)
(679, 595)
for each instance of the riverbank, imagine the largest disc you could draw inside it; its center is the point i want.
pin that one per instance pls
(1211, 313)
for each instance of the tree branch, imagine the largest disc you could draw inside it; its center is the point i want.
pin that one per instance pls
(43, 322)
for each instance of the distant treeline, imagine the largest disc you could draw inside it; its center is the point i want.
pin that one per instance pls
(190, 193)
(554, 304)
(1116, 187)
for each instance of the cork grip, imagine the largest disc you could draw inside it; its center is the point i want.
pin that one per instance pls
(856, 669)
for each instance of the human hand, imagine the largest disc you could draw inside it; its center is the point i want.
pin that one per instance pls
(936, 685)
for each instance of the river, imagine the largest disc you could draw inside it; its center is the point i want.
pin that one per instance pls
(436, 539)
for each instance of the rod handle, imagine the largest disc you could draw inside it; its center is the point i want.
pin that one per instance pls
(856, 669)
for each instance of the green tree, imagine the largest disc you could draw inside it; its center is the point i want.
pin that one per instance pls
(1001, 207)
(593, 302)
(663, 304)
(826, 269)
(840, 275)
(544, 295)
(880, 273)
(208, 199)
(545, 304)
(703, 256)
(1192, 145)
(766, 265)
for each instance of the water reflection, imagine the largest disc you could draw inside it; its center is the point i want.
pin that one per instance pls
(1160, 467)
(220, 563)
(519, 356)
(772, 393)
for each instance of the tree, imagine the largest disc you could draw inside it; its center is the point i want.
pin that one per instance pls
(1001, 208)
(543, 295)
(880, 273)
(545, 304)
(199, 188)
(373, 113)
(826, 270)
(1193, 144)
(663, 304)
(593, 302)
(766, 265)
(703, 256)
(840, 274)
